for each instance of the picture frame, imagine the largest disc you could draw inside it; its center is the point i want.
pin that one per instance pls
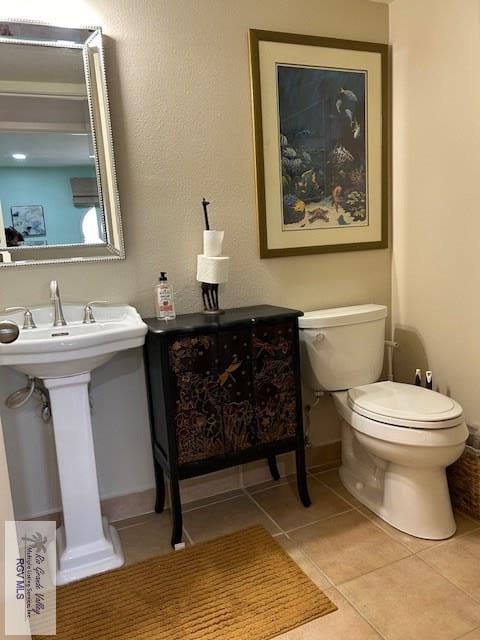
(29, 220)
(321, 124)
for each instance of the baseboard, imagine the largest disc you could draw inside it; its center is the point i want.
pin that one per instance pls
(324, 456)
(115, 508)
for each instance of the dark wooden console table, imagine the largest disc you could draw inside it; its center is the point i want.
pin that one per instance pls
(223, 390)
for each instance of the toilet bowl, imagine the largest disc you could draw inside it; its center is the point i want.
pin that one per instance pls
(398, 471)
(397, 439)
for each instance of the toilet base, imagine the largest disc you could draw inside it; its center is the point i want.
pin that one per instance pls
(415, 501)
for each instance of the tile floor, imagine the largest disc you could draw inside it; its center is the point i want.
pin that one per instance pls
(386, 584)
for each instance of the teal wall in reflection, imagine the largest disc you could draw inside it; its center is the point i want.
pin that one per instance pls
(49, 187)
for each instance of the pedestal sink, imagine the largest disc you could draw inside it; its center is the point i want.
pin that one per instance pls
(63, 358)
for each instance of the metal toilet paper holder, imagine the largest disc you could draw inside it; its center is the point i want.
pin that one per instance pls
(210, 298)
(210, 289)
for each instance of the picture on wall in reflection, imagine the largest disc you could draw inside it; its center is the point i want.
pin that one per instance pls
(29, 220)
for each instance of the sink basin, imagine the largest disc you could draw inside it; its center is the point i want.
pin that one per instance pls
(64, 357)
(53, 352)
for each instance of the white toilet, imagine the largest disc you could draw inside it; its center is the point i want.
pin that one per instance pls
(397, 439)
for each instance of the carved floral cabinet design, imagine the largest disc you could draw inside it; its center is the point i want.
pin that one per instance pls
(223, 390)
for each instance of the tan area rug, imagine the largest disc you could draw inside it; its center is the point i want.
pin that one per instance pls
(242, 586)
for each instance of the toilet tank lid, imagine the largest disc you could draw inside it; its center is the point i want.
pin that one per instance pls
(339, 316)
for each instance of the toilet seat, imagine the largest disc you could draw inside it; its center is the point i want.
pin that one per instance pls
(405, 405)
(395, 434)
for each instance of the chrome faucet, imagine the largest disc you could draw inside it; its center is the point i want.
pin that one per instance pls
(28, 321)
(58, 319)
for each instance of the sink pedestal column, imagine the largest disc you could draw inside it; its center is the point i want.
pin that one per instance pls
(86, 543)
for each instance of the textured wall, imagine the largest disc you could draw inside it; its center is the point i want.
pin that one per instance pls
(180, 91)
(436, 279)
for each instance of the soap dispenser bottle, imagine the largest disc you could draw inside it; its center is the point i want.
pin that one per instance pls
(164, 305)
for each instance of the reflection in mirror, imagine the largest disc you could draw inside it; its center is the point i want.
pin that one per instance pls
(58, 192)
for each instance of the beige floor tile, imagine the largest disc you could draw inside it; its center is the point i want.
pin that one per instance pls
(459, 561)
(256, 488)
(408, 600)
(224, 517)
(304, 562)
(258, 472)
(416, 545)
(322, 468)
(347, 546)
(343, 624)
(210, 484)
(130, 522)
(332, 479)
(473, 635)
(203, 502)
(283, 504)
(146, 539)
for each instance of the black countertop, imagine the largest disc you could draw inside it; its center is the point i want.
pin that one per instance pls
(196, 321)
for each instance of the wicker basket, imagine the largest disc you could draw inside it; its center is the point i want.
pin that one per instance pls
(464, 478)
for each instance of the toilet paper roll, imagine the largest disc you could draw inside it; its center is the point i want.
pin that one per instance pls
(212, 269)
(212, 243)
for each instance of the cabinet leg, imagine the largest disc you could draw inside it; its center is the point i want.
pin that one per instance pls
(302, 476)
(272, 465)
(160, 487)
(176, 512)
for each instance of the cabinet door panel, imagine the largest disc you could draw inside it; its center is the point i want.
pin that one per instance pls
(274, 380)
(236, 383)
(198, 418)
(193, 352)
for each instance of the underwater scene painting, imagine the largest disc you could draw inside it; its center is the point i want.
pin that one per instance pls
(322, 147)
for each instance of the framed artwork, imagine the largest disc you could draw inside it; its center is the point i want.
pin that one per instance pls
(28, 220)
(320, 109)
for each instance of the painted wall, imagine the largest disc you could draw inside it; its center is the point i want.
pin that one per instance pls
(436, 279)
(49, 187)
(179, 83)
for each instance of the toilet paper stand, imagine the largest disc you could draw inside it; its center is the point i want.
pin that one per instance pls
(210, 298)
(212, 267)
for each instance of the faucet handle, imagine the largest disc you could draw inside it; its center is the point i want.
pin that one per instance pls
(28, 322)
(88, 317)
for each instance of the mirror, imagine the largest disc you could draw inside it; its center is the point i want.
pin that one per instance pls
(58, 189)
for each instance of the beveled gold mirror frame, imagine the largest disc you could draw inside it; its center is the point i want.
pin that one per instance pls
(99, 109)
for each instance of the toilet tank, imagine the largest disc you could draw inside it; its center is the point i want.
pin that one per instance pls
(342, 348)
